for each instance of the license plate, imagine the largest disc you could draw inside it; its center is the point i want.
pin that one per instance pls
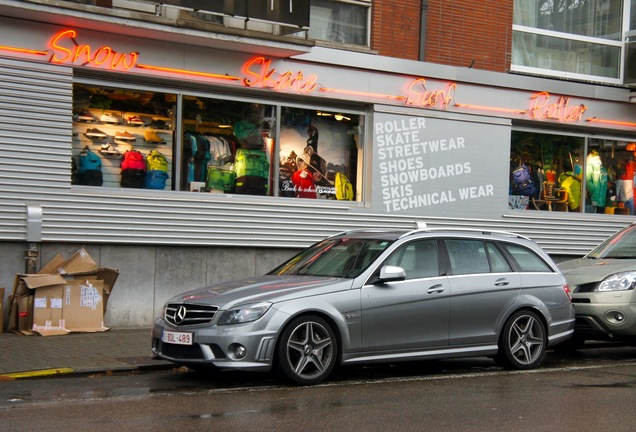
(177, 338)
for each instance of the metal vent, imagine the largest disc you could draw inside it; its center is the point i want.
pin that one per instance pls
(187, 314)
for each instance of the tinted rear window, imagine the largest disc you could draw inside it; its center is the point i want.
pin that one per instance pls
(527, 259)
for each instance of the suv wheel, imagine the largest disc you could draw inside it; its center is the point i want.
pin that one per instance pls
(307, 350)
(523, 341)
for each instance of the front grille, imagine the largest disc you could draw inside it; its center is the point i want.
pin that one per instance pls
(580, 300)
(188, 314)
(585, 288)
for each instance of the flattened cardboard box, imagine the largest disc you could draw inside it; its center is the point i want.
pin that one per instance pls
(47, 310)
(21, 313)
(73, 306)
(58, 271)
(83, 308)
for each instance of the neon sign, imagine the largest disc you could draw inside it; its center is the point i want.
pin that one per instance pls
(544, 106)
(260, 73)
(418, 95)
(66, 50)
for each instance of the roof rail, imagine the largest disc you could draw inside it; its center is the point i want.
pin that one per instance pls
(358, 230)
(473, 230)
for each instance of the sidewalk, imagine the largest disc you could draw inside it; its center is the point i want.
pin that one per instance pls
(113, 350)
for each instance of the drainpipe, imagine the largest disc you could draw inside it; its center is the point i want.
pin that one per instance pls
(423, 15)
(33, 237)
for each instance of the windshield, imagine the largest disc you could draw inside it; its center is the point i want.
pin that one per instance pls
(620, 245)
(339, 257)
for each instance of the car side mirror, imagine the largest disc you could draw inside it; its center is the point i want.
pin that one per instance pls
(390, 273)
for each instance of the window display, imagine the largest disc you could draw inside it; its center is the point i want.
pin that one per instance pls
(545, 171)
(127, 139)
(319, 153)
(111, 126)
(572, 174)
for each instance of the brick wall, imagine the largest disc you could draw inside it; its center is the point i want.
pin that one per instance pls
(460, 32)
(395, 28)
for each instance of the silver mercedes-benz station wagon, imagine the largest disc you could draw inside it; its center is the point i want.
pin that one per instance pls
(376, 296)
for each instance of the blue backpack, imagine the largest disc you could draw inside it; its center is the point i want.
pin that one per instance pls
(89, 160)
(89, 172)
(522, 182)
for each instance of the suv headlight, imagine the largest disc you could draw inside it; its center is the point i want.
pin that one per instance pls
(618, 282)
(244, 313)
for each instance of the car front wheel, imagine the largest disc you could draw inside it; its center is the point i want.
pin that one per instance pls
(523, 341)
(307, 350)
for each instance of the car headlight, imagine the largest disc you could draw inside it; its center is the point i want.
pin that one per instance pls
(244, 313)
(618, 282)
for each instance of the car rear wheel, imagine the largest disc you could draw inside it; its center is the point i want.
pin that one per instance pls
(523, 341)
(307, 350)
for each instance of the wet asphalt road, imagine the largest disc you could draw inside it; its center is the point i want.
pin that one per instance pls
(591, 390)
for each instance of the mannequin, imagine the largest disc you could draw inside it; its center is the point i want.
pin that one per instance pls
(596, 180)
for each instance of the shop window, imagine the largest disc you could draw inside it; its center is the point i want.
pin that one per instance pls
(572, 174)
(546, 171)
(111, 127)
(320, 154)
(227, 146)
(127, 138)
(610, 166)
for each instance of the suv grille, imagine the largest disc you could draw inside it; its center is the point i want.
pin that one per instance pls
(186, 314)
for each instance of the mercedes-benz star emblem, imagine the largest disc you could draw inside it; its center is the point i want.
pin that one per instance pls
(180, 315)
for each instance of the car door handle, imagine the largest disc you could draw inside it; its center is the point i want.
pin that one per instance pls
(435, 289)
(502, 282)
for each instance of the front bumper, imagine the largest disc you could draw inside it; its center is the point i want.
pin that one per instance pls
(605, 315)
(216, 346)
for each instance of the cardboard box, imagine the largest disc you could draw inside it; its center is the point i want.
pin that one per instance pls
(65, 296)
(80, 262)
(69, 306)
(83, 306)
(24, 286)
(47, 310)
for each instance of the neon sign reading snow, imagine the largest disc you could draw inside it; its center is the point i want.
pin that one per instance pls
(66, 49)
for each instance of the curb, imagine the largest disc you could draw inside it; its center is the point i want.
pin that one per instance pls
(37, 373)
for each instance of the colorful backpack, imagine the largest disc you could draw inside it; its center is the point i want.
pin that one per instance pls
(156, 179)
(89, 172)
(156, 161)
(133, 159)
(252, 172)
(344, 188)
(522, 182)
(133, 170)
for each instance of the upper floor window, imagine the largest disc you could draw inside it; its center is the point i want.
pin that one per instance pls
(574, 38)
(340, 21)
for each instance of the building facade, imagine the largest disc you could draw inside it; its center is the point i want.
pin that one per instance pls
(185, 146)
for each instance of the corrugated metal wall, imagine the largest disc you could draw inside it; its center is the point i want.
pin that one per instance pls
(35, 154)
(35, 130)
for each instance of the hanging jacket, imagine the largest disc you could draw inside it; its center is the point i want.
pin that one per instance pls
(572, 186)
(596, 180)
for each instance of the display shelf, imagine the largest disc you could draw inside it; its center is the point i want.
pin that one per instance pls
(112, 155)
